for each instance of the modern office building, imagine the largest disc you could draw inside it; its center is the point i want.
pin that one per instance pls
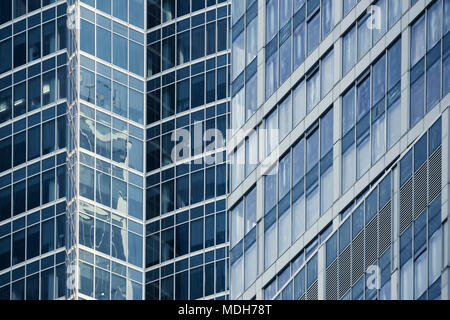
(349, 199)
(93, 205)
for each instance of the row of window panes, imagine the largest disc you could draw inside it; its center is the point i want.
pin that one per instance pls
(293, 108)
(428, 45)
(245, 42)
(370, 116)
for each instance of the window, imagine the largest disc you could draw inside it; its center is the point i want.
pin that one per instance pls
(33, 241)
(313, 32)
(103, 189)
(299, 103)
(103, 140)
(285, 53)
(197, 90)
(271, 131)
(48, 137)
(326, 163)
(103, 92)
(183, 47)
(154, 58)
(349, 51)
(312, 190)
(136, 112)
(270, 240)
(348, 5)
(327, 73)
(120, 52)
(285, 117)
(378, 33)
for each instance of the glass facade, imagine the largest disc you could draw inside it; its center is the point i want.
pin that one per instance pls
(34, 145)
(219, 149)
(188, 107)
(345, 156)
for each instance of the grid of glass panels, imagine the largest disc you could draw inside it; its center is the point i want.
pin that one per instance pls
(420, 244)
(187, 97)
(293, 30)
(162, 11)
(430, 62)
(33, 135)
(359, 39)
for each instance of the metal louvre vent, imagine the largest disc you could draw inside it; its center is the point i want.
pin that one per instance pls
(331, 282)
(406, 206)
(358, 257)
(435, 174)
(384, 229)
(313, 292)
(344, 271)
(371, 243)
(420, 190)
